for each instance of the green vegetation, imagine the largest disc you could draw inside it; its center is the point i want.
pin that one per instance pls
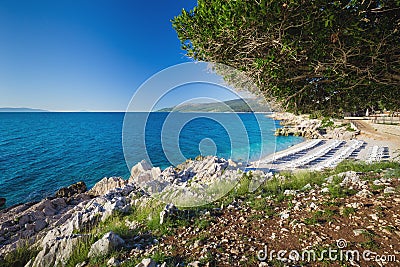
(149, 216)
(308, 56)
(147, 220)
(327, 123)
(276, 186)
(115, 223)
(370, 243)
(81, 251)
(19, 257)
(236, 105)
(291, 181)
(393, 173)
(202, 223)
(320, 217)
(389, 228)
(348, 210)
(336, 191)
(364, 167)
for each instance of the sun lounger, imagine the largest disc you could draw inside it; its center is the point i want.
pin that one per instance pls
(316, 155)
(293, 152)
(341, 155)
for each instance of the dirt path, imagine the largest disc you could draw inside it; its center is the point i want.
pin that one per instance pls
(381, 135)
(367, 130)
(381, 132)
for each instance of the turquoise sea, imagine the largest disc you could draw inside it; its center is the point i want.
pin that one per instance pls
(42, 152)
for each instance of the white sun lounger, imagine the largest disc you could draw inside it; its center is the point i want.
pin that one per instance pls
(341, 155)
(293, 152)
(317, 155)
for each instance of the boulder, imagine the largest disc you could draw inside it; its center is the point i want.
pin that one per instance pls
(155, 186)
(169, 174)
(168, 210)
(121, 204)
(39, 225)
(232, 163)
(58, 252)
(138, 169)
(350, 179)
(57, 218)
(78, 188)
(105, 245)
(364, 193)
(147, 176)
(147, 263)
(106, 184)
(389, 190)
(113, 262)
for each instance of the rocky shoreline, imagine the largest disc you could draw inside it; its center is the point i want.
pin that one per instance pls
(51, 224)
(227, 233)
(68, 210)
(314, 128)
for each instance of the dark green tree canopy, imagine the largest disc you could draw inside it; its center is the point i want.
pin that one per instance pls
(306, 55)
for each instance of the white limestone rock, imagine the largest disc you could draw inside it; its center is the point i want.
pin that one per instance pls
(138, 169)
(109, 242)
(106, 184)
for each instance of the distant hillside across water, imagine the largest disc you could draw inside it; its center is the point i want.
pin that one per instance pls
(236, 105)
(22, 110)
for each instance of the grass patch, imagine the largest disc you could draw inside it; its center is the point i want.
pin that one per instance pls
(320, 217)
(81, 250)
(242, 188)
(336, 191)
(202, 237)
(276, 186)
(349, 165)
(393, 173)
(295, 181)
(377, 187)
(368, 234)
(389, 228)
(329, 213)
(115, 223)
(259, 204)
(202, 223)
(159, 257)
(20, 256)
(370, 244)
(148, 214)
(331, 204)
(348, 210)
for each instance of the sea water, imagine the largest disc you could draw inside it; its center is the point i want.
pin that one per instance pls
(42, 152)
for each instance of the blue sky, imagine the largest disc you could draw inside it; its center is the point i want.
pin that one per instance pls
(84, 55)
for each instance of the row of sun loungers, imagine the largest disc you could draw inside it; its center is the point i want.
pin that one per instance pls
(320, 154)
(343, 154)
(294, 152)
(378, 153)
(315, 156)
